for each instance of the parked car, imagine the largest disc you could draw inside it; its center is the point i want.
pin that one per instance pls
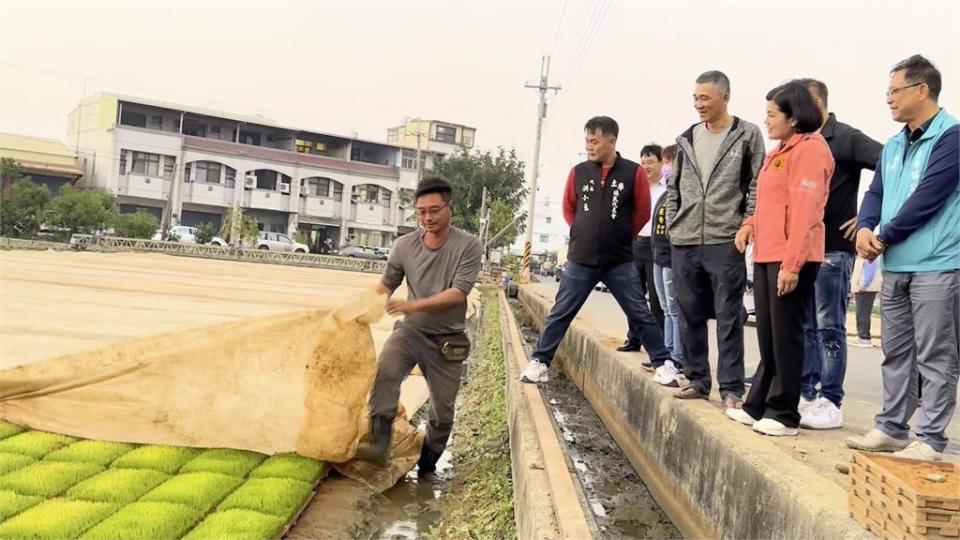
(185, 235)
(384, 252)
(362, 252)
(280, 242)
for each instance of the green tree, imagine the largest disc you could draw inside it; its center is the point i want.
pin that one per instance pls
(82, 211)
(22, 212)
(140, 224)
(204, 233)
(502, 174)
(249, 229)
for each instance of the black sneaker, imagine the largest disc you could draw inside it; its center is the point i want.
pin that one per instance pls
(748, 381)
(628, 347)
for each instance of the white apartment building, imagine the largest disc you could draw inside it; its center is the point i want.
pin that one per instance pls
(188, 165)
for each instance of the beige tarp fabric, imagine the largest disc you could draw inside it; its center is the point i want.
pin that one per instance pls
(292, 382)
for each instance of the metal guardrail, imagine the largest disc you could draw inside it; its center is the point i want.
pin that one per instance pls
(19, 243)
(111, 243)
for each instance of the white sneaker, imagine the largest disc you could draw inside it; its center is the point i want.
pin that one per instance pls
(876, 441)
(667, 375)
(536, 372)
(860, 342)
(825, 415)
(769, 426)
(740, 416)
(807, 405)
(920, 450)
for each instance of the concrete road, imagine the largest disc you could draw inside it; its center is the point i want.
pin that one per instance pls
(862, 384)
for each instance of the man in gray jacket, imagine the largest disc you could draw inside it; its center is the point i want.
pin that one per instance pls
(712, 189)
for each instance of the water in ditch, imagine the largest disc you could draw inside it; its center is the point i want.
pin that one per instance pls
(410, 508)
(620, 502)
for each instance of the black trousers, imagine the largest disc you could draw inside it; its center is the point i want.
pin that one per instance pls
(864, 313)
(710, 281)
(776, 389)
(643, 259)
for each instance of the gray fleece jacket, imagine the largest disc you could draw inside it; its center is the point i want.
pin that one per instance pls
(702, 213)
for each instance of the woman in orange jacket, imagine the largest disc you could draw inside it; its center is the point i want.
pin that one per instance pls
(787, 228)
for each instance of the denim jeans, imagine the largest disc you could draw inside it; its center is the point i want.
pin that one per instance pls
(825, 329)
(663, 280)
(576, 284)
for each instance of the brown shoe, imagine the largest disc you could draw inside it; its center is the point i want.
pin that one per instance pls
(691, 392)
(732, 401)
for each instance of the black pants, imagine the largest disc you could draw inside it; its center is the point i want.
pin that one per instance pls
(864, 313)
(643, 259)
(710, 281)
(776, 390)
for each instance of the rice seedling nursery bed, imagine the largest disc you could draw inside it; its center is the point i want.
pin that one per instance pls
(57, 487)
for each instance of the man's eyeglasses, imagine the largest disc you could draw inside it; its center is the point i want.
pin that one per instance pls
(432, 211)
(894, 91)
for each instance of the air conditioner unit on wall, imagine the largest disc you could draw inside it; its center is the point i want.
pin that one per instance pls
(285, 188)
(249, 182)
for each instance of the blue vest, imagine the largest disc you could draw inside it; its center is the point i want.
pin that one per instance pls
(935, 246)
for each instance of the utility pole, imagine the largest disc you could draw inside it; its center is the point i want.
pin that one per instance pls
(419, 162)
(418, 134)
(483, 224)
(542, 87)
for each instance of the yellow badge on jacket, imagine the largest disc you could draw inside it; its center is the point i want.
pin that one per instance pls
(778, 163)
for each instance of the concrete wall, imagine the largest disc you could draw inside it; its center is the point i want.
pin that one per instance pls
(708, 474)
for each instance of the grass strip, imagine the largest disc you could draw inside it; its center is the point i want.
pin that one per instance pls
(237, 524)
(237, 463)
(12, 462)
(9, 430)
(158, 457)
(12, 503)
(146, 521)
(117, 486)
(35, 444)
(200, 490)
(47, 478)
(281, 497)
(101, 453)
(292, 466)
(479, 503)
(56, 519)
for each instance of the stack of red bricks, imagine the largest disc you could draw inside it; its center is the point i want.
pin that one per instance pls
(896, 498)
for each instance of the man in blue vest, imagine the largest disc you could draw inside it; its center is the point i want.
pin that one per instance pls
(915, 200)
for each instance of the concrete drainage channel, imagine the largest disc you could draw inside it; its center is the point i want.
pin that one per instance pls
(707, 477)
(604, 497)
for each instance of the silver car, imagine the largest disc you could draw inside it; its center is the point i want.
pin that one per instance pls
(362, 252)
(280, 242)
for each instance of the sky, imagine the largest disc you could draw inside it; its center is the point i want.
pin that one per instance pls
(365, 66)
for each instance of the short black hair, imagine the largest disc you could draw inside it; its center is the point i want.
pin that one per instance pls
(434, 184)
(816, 86)
(716, 78)
(670, 152)
(606, 125)
(652, 149)
(795, 101)
(920, 70)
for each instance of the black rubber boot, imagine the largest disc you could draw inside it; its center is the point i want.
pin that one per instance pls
(375, 451)
(428, 461)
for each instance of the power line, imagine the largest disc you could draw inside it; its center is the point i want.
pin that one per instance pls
(556, 37)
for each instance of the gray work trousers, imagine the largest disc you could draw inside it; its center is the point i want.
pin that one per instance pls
(920, 332)
(408, 347)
